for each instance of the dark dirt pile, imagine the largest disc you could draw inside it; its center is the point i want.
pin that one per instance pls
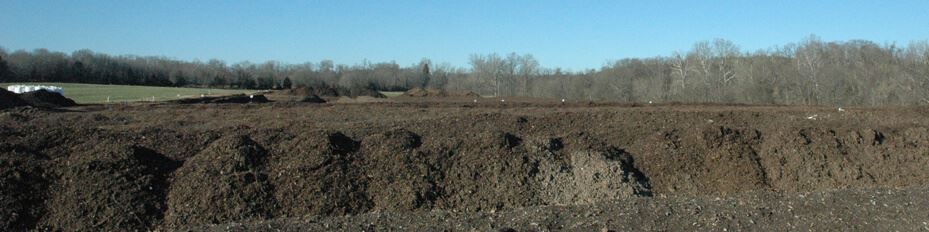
(237, 98)
(42, 98)
(314, 174)
(312, 98)
(500, 170)
(113, 186)
(23, 188)
(326, 91)
(400, 177)
(226, 182)
(9, 100)
(420, 92)
(91, 169)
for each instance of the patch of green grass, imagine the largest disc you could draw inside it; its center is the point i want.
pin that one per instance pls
(93, 93)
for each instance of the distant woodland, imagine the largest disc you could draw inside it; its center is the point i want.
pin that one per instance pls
(810, 72)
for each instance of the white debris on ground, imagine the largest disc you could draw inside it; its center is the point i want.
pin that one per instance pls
(841, 110)
(812, 117)
(31, 88)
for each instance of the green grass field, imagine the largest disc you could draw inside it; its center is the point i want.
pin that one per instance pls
(92, 93)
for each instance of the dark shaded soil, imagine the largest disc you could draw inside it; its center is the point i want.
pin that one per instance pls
(46, 99)
(9, 100)
(109, 186)
(23, 188)
(323, 91)
(226, 182)
(312, 98)
(417, 164)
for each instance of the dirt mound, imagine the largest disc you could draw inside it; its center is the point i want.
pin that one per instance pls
(401, 178)
(226, 182)
(420, 92)
(42, 98)
(23, 189)
(312, 98)
(111, 187)
(315, 175)
(9, 100)
(237, 98)
(499, 172)
(325, 91)
(306, 91)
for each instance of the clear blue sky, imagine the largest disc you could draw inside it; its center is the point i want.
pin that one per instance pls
(569, 34)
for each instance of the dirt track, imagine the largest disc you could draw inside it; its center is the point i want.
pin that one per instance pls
(391, 163)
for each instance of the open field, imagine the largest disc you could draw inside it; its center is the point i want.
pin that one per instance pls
(93, 93)
(452, 164)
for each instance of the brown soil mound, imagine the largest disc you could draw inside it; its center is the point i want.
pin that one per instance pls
(237, 98)
(401, 178)
(112, 187)
(420, 92)
(23, 189)
(441, 156)
(226, 182)
(312, 98)
(501, 172)
(315, 175)
(42, 98)
(332, 92)
(9, 100)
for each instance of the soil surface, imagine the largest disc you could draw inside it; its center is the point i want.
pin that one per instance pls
(46, 99)
(463, 164)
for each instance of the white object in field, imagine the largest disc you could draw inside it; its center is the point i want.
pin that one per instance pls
(813, 117)
(649, 102)
(201, 95)
(107, 99)
(475, 100)
(251, 96)
(841, 110)
(502, 100)
(31, 88)
(562, 100)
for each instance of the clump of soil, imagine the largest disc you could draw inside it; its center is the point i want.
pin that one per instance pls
(501, 171)
(237, 98)
(421, 92)
(312, 98)
(401, 178)
(23, 187)
(314, 174)
(42, 98)
(9, 100)
(113, 186)
(226, 182)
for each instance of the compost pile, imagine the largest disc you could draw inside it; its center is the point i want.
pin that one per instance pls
(47, 99)
(326, 91)
(463, 166)
(9, 100)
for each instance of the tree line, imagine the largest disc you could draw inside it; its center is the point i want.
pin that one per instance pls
(810, 72)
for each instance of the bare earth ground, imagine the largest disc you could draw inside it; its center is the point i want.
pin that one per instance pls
(453, 164)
